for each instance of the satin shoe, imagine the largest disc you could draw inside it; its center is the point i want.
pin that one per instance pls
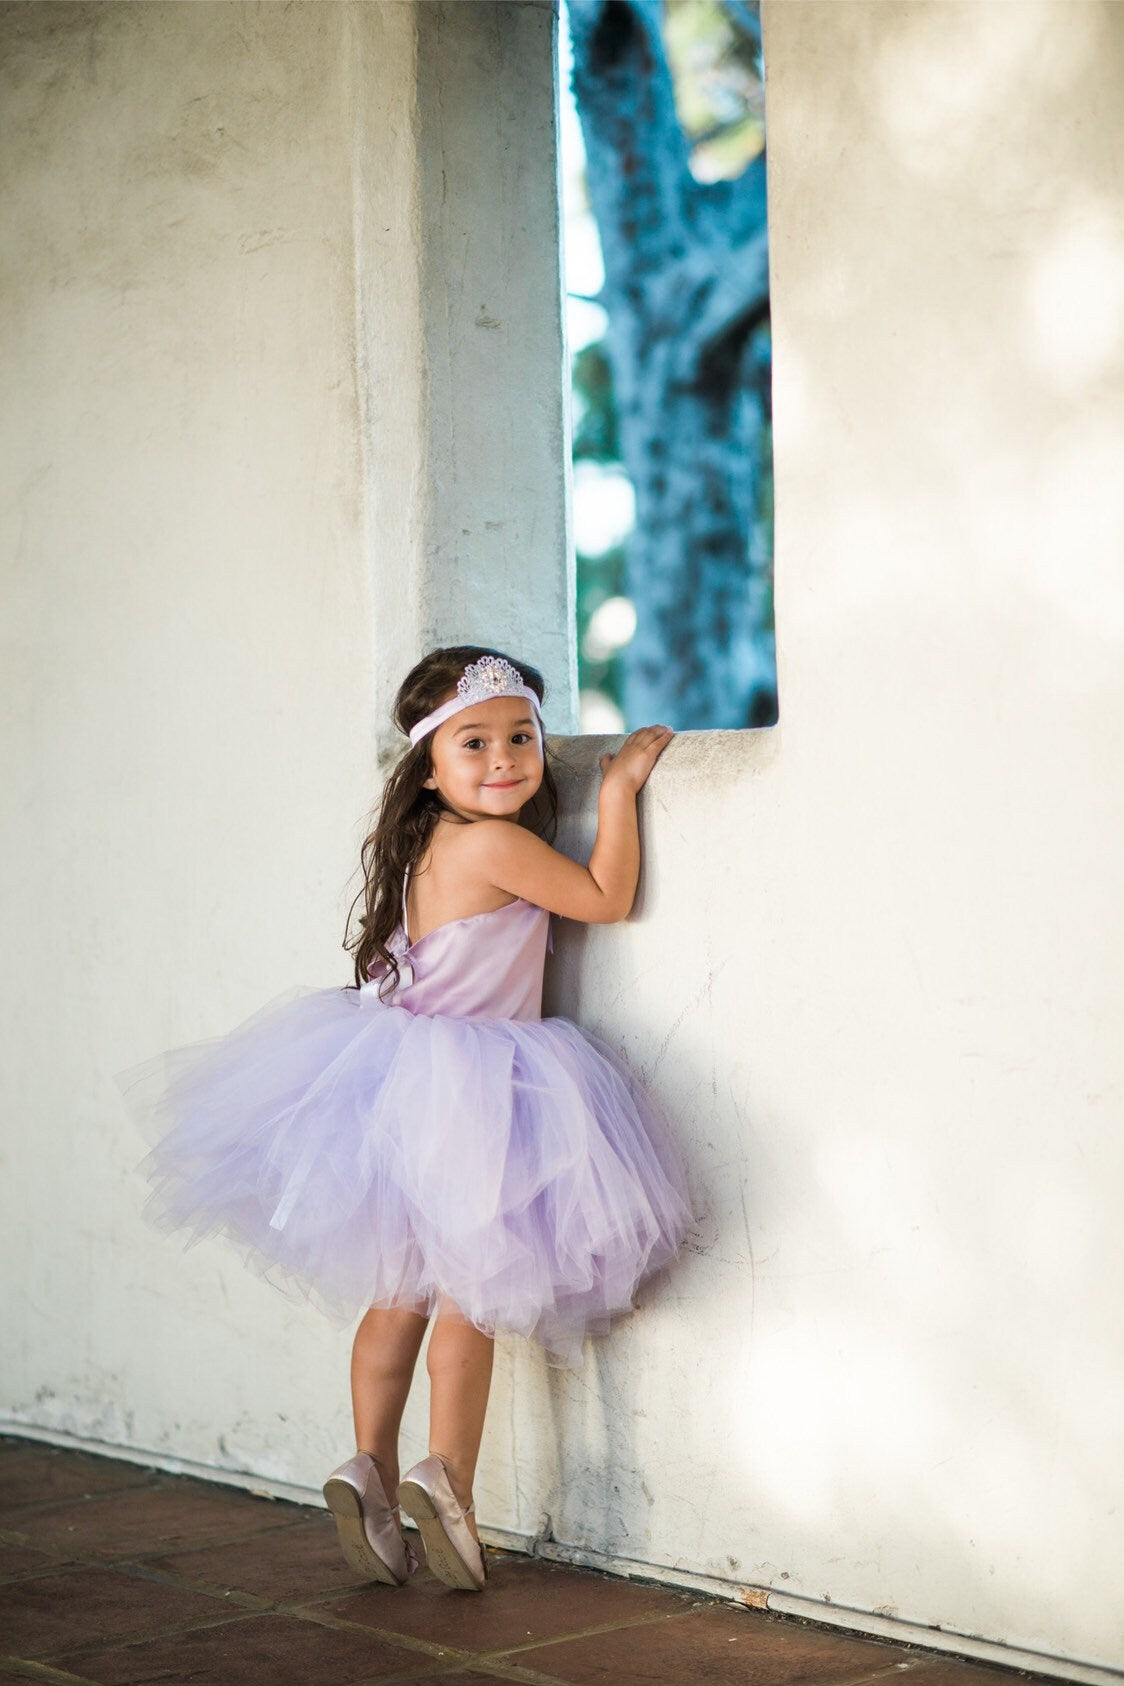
(451, 1550)
(367, 1525)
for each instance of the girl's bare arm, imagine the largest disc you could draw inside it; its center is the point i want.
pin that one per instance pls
(601, 893)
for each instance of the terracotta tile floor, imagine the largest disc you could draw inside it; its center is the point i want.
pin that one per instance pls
(114, 1574)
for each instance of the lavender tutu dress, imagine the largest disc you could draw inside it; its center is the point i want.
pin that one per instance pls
(445, 1141)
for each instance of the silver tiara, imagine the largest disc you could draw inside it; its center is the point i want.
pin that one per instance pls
(491, 676)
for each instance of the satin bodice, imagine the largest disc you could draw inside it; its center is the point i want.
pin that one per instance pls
(488, 966)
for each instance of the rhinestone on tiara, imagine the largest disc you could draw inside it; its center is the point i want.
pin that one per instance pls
(489, 677)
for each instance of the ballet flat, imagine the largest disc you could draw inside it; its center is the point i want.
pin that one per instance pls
(367, 1525)
(451, 1550)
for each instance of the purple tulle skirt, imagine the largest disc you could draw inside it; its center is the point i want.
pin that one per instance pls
(368, 1155)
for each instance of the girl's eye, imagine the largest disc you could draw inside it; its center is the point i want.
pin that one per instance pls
(478, 743)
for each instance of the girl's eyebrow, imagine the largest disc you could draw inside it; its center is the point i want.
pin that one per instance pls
(473, 726)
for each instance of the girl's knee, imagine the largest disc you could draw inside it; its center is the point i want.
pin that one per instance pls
(390, 1338)
(456, 1341)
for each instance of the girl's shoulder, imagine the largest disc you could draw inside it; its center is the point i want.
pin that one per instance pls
(452, 879)
(486, 843)
(455, 846)
(469, 856)
(512, 858)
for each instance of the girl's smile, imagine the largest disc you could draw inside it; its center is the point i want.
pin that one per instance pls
(488, 761)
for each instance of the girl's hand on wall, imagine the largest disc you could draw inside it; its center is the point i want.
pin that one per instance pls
(634, 760)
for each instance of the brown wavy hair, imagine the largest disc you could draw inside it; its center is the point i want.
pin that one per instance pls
(407, 811)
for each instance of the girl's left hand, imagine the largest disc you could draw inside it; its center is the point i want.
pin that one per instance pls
(636, 757)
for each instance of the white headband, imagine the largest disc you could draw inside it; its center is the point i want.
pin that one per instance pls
(481, 681)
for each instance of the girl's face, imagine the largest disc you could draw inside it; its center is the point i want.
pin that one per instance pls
(488, 761)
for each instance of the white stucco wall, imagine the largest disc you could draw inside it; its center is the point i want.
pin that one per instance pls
(228, 461)
(876, 972)
(186, 653)
(873, 973)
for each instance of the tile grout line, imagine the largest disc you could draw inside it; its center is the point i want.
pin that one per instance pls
(899, 1669)
(13, 1537)
(30, 1669)
(44, 1573)
(592, 1633)
(486, 1660)
(38, 1506)
(490, 1659)
(429, 1650)
(164, 1484)
(523, 1676)
(459, 1657)
(170, 1630)
(250, 1601)
(530, 1676)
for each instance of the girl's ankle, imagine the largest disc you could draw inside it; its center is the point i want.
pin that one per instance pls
(387, 1469)
(463, 1498)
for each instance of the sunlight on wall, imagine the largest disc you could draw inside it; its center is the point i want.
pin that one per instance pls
(941, 91)
(1075, 298)
(1079, 541)
(936, 1358)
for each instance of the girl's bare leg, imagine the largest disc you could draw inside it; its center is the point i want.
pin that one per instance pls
(386, 1350)
(460, 1376)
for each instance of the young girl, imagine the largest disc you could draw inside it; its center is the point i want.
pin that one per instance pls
(425, 1146)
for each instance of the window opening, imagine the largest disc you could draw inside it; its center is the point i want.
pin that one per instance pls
(663, 156)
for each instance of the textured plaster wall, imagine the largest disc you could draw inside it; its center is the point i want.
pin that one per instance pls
(231, 437)
(186, 652)
(873, 970)
(875, 973)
